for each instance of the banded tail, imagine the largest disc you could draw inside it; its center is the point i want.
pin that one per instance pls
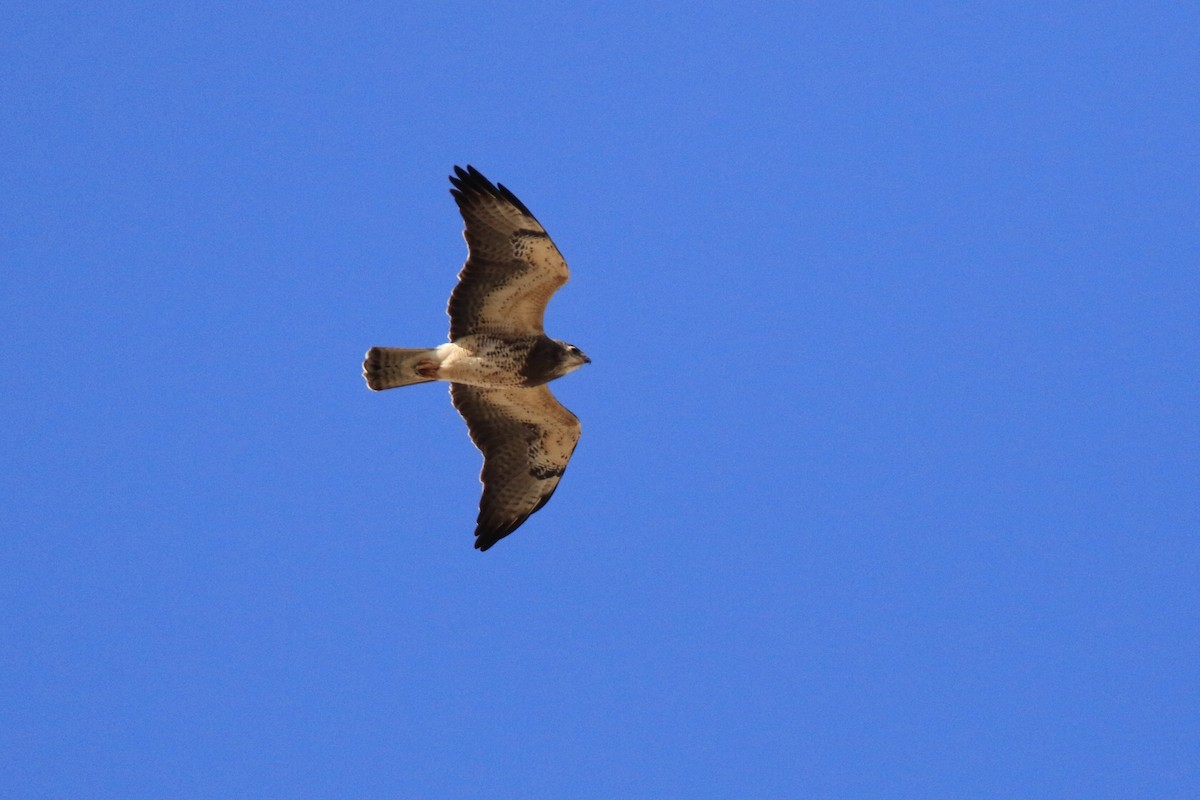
(389, 367)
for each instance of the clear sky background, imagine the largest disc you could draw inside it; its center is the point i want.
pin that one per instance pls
(890, 468)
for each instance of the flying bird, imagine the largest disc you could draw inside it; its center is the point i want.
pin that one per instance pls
(499, 358)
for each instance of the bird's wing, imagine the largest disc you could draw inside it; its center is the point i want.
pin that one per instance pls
(512, 266)
(526, 437)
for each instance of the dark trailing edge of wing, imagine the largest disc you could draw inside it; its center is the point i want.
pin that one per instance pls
(470, 181)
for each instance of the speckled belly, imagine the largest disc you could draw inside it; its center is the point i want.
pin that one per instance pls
(482, 361)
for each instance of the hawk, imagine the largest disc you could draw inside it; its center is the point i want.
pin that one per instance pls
(499, 359)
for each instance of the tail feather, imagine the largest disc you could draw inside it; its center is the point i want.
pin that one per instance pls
(389, 367)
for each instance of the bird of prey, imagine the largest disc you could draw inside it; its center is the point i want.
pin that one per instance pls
(499, 359)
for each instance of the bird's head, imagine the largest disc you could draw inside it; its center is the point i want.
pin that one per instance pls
(549, 359)
(573, 358)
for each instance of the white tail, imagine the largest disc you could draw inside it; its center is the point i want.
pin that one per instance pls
(389, 367)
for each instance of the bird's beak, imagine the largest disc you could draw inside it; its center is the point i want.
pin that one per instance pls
(587, 360)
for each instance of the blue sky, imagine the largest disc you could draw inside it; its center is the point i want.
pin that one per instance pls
(888, 484)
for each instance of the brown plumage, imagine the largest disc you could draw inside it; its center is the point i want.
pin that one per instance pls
(499, 359)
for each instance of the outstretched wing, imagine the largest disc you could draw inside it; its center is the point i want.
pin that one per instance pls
(512, 266)
(526, 437)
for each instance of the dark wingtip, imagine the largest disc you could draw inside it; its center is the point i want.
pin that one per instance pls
(471, 182)
(486, 537)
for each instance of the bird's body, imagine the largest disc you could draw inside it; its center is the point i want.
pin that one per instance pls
(480, 359)
(499, 359)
